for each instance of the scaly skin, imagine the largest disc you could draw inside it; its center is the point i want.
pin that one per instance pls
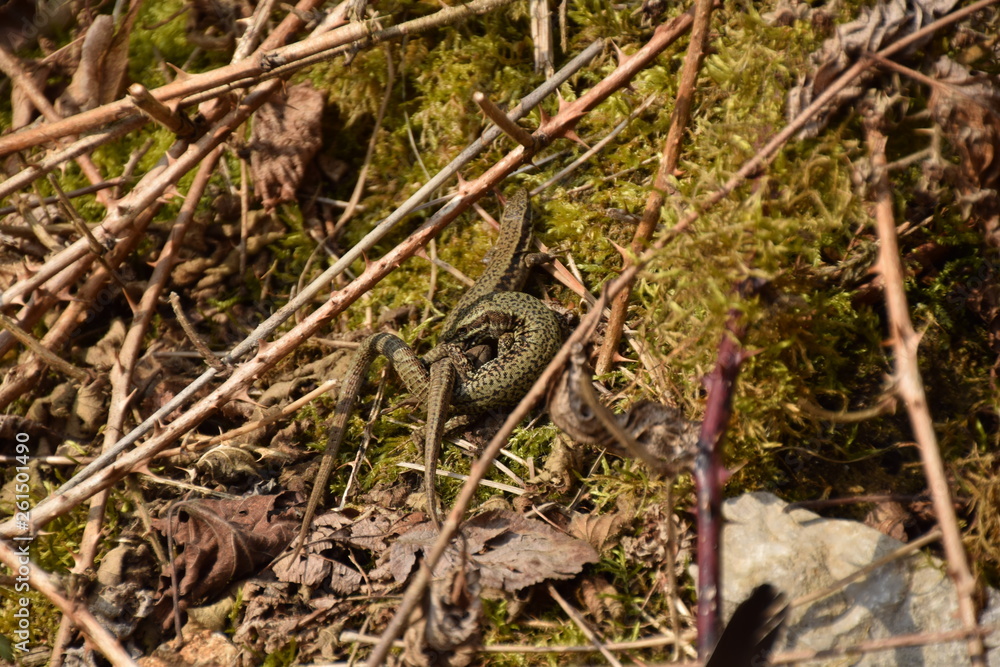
(526, 333)
(509, 264)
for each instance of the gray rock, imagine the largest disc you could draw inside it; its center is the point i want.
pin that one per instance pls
(800, 552)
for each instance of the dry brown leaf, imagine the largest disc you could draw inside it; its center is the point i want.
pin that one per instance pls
(967, 107)
(601, 531)
(200, 648)
(104, 354)
(89, 409)
(286, 137)
(115, 67)
(446, 630)
(509, 550)
(224, 540)
(600, 599)
(326, 558)
(657, 434)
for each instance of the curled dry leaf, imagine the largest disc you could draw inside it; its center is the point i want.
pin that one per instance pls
(876, 27)
(124, 592)
(286, 136)
(314, 566)
(446, 630)
(601, 599)
(104, 354)
(222, 541)
(509, 551)
(654, 433)
(601, 531)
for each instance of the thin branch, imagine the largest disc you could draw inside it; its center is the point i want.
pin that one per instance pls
(509, 127)
(206, 354)
(175, 121)
(11, 66)
(124, 367)
(145, 194)
(108, 133)
(72, 194)
(842, 583)
(668, 165)
(46, 355)
(359, 186)
(267, 62)
(578, 620)
(258, 424)
(910, 388)
(596, 148)
(875, 645)
(81, 227)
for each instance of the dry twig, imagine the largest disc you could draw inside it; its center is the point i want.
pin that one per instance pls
(910, 388)
(668, 165)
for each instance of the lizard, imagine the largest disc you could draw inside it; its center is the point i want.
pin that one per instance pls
(526, 334)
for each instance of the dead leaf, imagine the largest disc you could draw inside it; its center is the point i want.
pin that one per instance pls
(446, 630)
(889, 517)
(600, 599)
(115, 66)
(326, 558)
(200, 649)
(89, 409)
(123, 593)
(313, 565)
(84, 91)
(222, 541)
(652, 544)
(509, 550)
(657, 434)
(286, 137)
(601, 531)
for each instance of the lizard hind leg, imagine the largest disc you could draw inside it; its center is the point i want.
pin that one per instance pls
(410, 369)
(442, 385)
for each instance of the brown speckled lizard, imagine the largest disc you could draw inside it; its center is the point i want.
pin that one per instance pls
(526, 335)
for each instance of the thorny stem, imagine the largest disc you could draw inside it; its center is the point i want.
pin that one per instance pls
(709, 477)
(16, 384)
(33, 202)
(142, 203)
(11, 66)
(668, 165)
(33, 136)
(910, 388)
(146, 193)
